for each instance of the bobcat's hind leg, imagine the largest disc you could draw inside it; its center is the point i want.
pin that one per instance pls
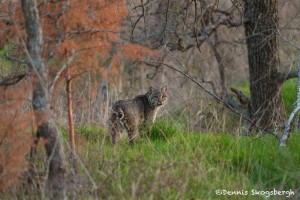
(114, 127)
(132, 131)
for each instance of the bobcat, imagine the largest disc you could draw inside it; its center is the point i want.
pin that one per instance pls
(133, 113)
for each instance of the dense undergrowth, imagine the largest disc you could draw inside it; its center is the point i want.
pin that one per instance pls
(169, 163)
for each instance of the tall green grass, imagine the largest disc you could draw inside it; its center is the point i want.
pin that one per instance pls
(174, 164)
(168, 162)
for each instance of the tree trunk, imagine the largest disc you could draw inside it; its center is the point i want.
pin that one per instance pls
(41, 103)
(266, 99)
(56, 159)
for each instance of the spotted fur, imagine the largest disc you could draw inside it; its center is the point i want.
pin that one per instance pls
(132, 113)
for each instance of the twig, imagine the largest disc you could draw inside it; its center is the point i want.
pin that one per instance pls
(92, 31)
(59, 73)
(165, 24)
(288, 75)
(137, 21)
(144, 4)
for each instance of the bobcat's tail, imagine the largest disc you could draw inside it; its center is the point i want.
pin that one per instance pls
(118, 111)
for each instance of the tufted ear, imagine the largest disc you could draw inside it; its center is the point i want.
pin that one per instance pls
(164, 88)
(151, 89)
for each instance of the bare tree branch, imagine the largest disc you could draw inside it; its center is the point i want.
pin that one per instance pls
(288, 127)
(288, 75)
(92, 31)
(165, 24)
(221, 66)
(139, 18)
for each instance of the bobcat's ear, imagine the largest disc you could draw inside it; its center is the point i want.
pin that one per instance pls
(164, 88)
(151, 89)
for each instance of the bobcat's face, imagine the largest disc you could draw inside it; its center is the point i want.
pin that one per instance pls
(157, 97)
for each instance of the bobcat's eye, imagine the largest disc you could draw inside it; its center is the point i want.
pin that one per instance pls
(155, 99)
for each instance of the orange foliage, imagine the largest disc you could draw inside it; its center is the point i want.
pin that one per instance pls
(89, 28)
(135, 52)
(86, 27)
(15, 137)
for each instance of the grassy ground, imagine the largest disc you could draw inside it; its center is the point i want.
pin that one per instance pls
(169, 163)
(289, 94)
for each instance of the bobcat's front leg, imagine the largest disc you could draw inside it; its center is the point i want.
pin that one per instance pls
(131, 135)
(147, 124)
